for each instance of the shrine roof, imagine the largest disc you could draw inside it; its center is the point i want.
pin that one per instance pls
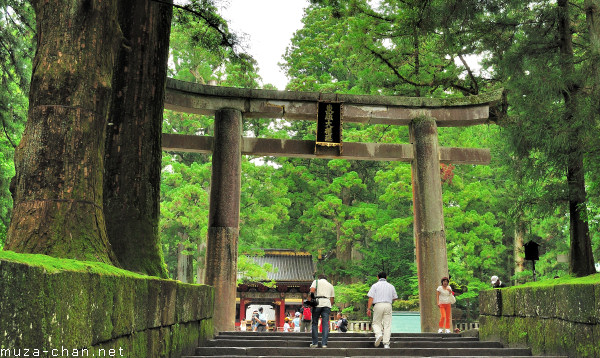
(292, 266)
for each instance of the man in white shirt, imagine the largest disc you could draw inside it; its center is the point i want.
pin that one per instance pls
(325, 296)
(381, 295)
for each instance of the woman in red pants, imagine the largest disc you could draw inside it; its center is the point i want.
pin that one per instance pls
(444, 302)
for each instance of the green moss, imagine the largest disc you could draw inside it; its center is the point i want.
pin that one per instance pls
(138, 345)
(577, 303)
(537, 332)
(552, 317)
(53, 265)
(567, 280)
(509, 302)
(48, 303)
(207, 330)
(123, 311)
(67, 298)
(422, 120)
(20, 304)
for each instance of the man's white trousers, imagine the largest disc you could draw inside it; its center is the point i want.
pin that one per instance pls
(382, 321)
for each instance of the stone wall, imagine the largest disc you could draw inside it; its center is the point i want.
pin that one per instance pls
(560, 317)
(61, 306)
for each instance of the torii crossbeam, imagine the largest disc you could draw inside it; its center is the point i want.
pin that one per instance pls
(422, 115)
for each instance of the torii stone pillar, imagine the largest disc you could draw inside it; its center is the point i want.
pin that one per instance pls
(224, 216)
(430, 238)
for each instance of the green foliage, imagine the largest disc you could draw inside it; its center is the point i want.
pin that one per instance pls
(202, 45)
(249, 271)
(16, 50)
(354, 298)
(406, 305)
(553, 118)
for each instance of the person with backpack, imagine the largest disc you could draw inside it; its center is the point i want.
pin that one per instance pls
(342, 323)
(306, 318)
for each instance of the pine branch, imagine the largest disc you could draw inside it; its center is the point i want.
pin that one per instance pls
(225, 37)
(6, 133)
(393, 68)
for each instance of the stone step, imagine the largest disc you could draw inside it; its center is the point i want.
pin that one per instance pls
(358, 352)
(334, 333)
(362, 343)
(296, 345)
(335, 338)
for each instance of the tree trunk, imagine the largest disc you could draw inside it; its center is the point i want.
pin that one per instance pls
(518, 249)
(185, 265)
(133, 143)
(592, 11)
(343, 250)
(59, 163)
(581, 258)
(201, 262)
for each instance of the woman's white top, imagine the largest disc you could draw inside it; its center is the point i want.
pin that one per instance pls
(444, 294)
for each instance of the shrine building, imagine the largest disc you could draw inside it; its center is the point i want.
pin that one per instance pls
(293, 273)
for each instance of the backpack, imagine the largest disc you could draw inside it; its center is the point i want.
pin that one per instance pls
(344, 325)
(306, 314)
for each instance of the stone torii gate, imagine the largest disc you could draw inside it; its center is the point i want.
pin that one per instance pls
(423, 115)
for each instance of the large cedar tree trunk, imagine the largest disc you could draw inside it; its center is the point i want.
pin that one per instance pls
(581, 256)
(592, 11)
(343, 251)
(57, 189)
(133, 142)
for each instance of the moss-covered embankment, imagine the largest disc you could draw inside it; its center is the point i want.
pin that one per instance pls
(560, 316)
(48, 303)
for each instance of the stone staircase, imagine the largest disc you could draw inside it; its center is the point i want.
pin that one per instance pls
(291, 345)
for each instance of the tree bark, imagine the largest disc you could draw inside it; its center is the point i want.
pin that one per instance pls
(185, 265)
(592, 11)
(133, 142)
(343, 250)
(201, 262)
(518, 250)
(581, 258)
(58, 192)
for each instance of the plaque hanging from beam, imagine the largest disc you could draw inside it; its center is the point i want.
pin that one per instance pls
(329, 126)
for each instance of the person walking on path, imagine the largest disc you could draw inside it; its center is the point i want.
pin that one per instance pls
(381, 295)
(325, 297)
(444, 297)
